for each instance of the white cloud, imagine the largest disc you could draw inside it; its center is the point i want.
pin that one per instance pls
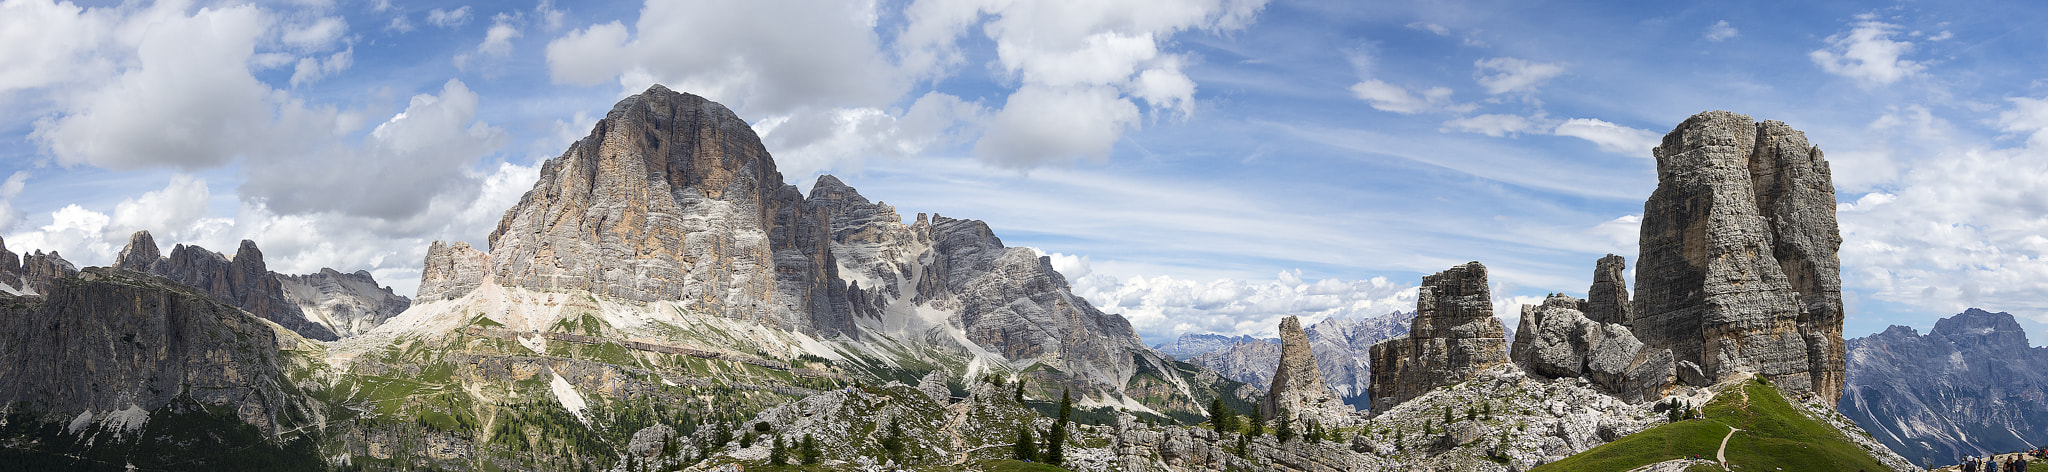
(1163, 307)
(416, 155)
(45, 43)
(1868, 54)
(1104, 52)
(1621, 233)
(1507, 74)
(10, 188)
(1393, 98)
(1042, 124)
(498, 40)
(311, 69)
(177, 206)
(808, 143)
(1496, 125)
(1721, 31)
(190, 100)
(399, 24)
(1610, 137)
(449, 18)
(317, 36)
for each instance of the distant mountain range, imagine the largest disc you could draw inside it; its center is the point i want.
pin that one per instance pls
(1969, 387)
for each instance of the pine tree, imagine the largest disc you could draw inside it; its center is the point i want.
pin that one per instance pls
(1219, 415)
(746, 441)
(777, 455)
(1258, 424)
(809, 451)
(1026, 449)
(1055, 443)
(893, 443)
(1447, 416)
(1286, 429)
(1020, 390)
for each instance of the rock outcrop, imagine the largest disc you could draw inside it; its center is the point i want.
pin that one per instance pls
(243, 280)
(349, 304)
(1557, 340)
(1970, 387)
(673, 197)
(1607, 299)
(1738, 271)
(1454, 335)
(117, 345)
(451, 271)
(1298, 388)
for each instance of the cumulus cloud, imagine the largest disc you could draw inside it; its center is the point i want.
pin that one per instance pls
(1507, 74)
(1610, 137)
(1439, 30)
(1868, 54)
(177, 206)
(318, 35)
(1094, 56)
(417, 154)
(1163, 307)
(841, 138)
(45, 43)
(1959, 230)
(10, 188)
(1721, 31)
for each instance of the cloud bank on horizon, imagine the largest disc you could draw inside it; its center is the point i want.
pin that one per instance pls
(1171, 155)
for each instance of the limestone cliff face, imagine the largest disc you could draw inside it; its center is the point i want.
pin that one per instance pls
(349, 304)
(243, 280)
(1607, 299)
(1970, 387)
(1454, 335)
(1738, 271)
(1298, 387)
(111, 341)
(672, 197)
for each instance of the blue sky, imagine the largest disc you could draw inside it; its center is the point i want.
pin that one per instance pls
(1199, 166)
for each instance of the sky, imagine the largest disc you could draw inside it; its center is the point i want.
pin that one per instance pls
(1195, 165)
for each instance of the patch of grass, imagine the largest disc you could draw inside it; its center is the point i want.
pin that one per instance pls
(1775, 435)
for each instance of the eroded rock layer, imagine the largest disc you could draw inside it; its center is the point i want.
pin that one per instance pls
(1453, 336)
(1738, 271)
(243, 280)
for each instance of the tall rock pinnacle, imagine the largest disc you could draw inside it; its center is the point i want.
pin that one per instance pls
(673, 197)
(1454, 336)
(1298, 383)
(1738, 271)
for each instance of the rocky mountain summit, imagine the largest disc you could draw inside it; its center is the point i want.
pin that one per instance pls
(34, 273)
(1454, 335)
(672, 200)
(322, 306)
(1969, 387)
(1738, 271)
(1561, 338)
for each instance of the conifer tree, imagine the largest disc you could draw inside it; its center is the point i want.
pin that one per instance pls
(777, 455)
(1055, 443)
(1258, 424)
(809, 450)
(1026, 449)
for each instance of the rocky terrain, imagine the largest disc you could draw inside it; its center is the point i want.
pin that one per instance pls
(349, 304)
(1562, 338)
(1454, 334)
(1298, 391)
(1969, 387)
(1738, 271)
(33, 273)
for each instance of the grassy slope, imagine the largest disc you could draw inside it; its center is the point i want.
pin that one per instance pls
(1775, 436)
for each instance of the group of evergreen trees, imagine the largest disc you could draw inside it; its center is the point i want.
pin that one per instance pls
(1055, 441)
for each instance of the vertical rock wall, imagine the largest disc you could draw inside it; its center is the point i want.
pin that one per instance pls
(1738, 269)
(1453, 336)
